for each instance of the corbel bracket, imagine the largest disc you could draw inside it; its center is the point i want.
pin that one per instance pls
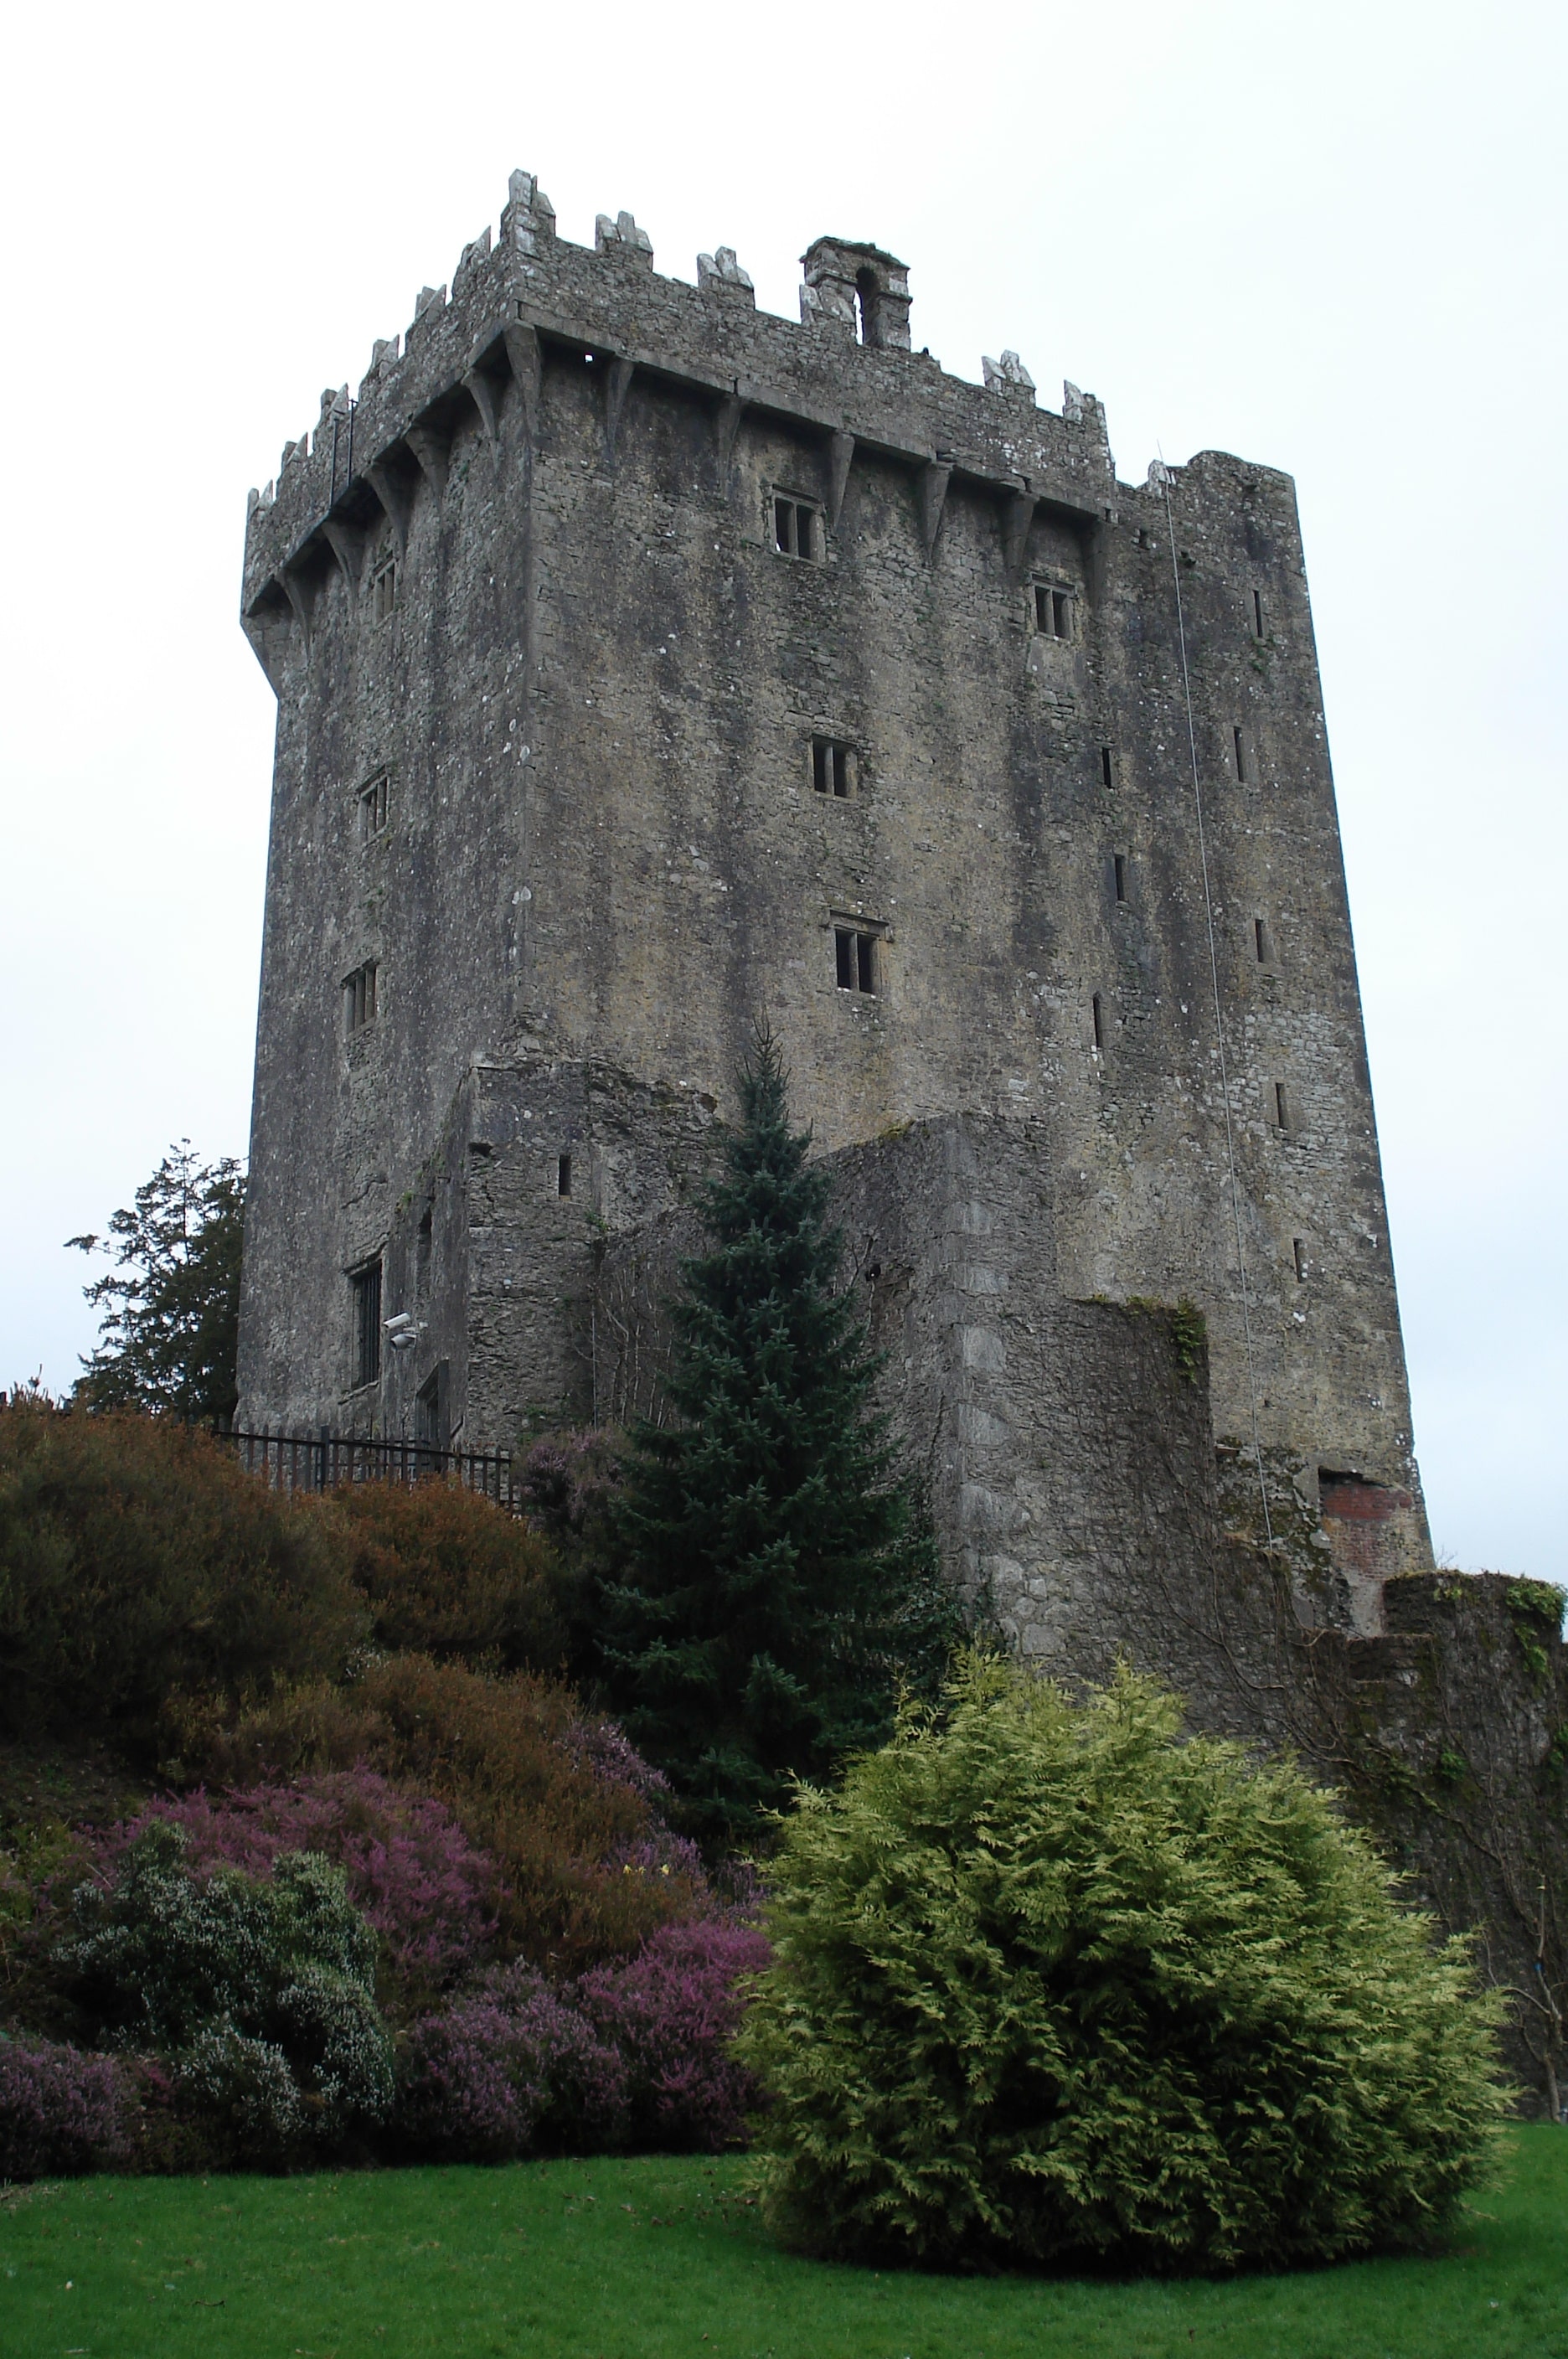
(481, 391)
(1018, 515)
(346, 542)
(527, 363)
(841, 451)
(727, 416)
(617, 385)
(931, 491)
(433, 452)
(394, 500)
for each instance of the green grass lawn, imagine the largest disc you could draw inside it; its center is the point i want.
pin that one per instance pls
(640, 2259)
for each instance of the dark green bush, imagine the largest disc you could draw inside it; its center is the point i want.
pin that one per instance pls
(138, 1559)
(1052, 1983)
(446, 1572)
(262, 1992)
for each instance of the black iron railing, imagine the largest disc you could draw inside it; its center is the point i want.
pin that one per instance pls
(320, 1461)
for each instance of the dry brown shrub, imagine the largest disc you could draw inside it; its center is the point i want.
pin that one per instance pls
(552, 1793)
(447, 1572)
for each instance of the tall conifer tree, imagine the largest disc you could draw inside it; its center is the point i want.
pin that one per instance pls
(783, 1585)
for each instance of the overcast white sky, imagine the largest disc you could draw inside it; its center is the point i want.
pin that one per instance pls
(1327, 236)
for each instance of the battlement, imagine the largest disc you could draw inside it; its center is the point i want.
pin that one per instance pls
(847, 373)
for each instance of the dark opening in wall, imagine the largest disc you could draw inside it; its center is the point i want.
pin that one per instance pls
(1242, 766)
(431, 1421)
(373, 809)
(1119, 874)
(423, 1250)
(854, 959)
(834, 768)
(798, 529)
(867, 292)
(1282, 1106)
(564, 1175)
(1108, 776)
(359, 997)
(384, 588)
(365, 1323)
(1053, 611)
(1099, 1021)
(1299, 1250)
(1258, 614)
(1263, 940)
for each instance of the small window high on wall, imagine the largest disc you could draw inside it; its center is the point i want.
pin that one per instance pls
(798, 527)
(359, 998)
(833, 768)
(384, 588)
(365, 1324)
(856, 960)
(1054, 610)
(373, 809)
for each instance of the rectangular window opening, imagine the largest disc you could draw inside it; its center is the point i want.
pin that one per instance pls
(833, 768)
(359, 997)
(1299, 1250)
(1282, 1106)
(422, 1249)
(1107, 778)
(564, 1175)
(373, 809)
(1061, 615)
(1257, 613)
(795, 530)
(384, 588)
(1241, 763)
(1264, 940)
(1099, 1022)
(1118, 870)
(365, 1307)
(854, 960)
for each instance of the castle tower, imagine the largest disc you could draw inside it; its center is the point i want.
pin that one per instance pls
(646, 662)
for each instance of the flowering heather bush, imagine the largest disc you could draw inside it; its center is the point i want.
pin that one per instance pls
(511, 2068)
(61, 2112)
(560, 1803)
(672, 2013)
(409, 1869)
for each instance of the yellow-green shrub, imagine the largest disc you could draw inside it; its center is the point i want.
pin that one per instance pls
(1051, 1983)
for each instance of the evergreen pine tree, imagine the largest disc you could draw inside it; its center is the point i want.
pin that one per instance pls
(782, 1584)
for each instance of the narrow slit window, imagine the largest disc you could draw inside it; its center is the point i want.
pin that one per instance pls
(359, 997)
(1119, 872)
(364, 1327)
(1258, 629)
(854, 960)
(564, 1175)
(1106, 776)
(1282, 1106)
(384, 588)
(373, 809)
(1264, 942)
(1299, 1252)
(1242, 768)
(833, 768)
(1098, 1015)
(423, 1252)
(844, 950)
